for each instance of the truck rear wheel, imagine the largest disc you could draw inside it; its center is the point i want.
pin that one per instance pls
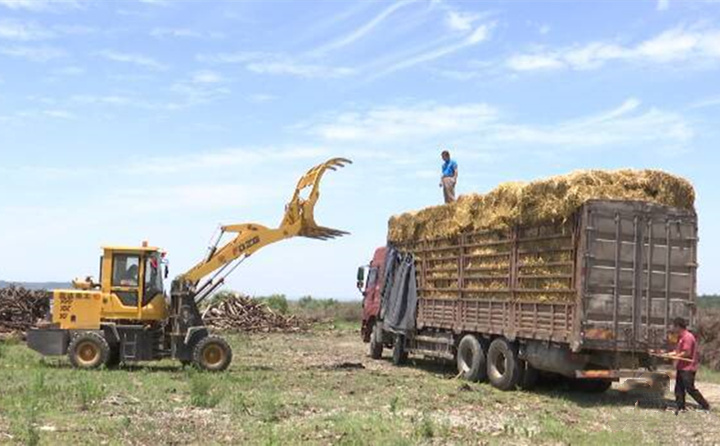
(399, 354)
(471, 362)
(88, 351)
(212, 353)
(503, 366)
(376, 341)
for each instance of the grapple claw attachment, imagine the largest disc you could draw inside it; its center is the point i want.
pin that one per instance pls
(300, 212)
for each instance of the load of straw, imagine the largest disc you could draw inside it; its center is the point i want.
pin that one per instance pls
(553, 199)
(541, 210)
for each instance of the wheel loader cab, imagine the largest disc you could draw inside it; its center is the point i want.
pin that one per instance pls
(131, 280)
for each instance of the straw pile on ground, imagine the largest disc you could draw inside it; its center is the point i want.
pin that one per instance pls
(242, 313)
(553, 199)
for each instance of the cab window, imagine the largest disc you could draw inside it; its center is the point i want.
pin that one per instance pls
(372, 278)
(153, 278)
(126, 269)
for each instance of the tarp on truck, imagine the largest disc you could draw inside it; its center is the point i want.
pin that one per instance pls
(399, 295)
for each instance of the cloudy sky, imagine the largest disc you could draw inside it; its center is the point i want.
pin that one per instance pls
(123, 121)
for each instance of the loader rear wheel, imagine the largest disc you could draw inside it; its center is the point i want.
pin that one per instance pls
(88, 351)
(212, 353)
(471, 362)
(376, 341)
(503, 365)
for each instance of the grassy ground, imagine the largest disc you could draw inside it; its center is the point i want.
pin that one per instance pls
(317, 388)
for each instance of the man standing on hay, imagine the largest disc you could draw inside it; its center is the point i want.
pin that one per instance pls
(449, 177)
(687, 366)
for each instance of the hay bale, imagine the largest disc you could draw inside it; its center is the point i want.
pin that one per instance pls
(553, 199)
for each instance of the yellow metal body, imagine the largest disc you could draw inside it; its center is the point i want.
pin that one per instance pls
(122, 295)
(85, 307)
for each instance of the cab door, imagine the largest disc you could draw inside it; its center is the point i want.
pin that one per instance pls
(127, 273)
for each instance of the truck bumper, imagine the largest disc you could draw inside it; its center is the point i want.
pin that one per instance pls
(48, 341)
(624, 373)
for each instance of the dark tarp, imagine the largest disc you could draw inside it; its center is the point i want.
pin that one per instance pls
(399, 295)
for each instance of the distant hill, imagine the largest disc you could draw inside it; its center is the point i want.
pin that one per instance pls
(37, 285)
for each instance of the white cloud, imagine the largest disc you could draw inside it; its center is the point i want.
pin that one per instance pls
(480, 34)
(628, 123)
(223, 159)
(59, 114)
(70, 71)
(162, 33)
(23, 31)
(461, 21)
(663, 5)
(134, 59)
(277, 64)
(206, 77)
(673, 45)
(34, 54)
(365, 29)
(41, 5)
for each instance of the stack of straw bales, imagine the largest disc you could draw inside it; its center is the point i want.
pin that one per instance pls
(554, 199)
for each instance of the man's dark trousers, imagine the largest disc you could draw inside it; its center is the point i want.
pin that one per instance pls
(685, 383)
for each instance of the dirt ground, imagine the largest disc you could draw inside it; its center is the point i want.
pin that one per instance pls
(320, 388)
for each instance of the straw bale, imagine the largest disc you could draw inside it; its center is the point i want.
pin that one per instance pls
(544, 201)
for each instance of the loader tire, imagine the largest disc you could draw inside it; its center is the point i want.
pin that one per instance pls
(471, 361)
(88, 351)
(212, 353)
(399, 356)
(503, 365)
(376, 341)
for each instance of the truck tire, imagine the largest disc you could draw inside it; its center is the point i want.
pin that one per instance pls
(471, 362)
(529, 376)
(376, 341)
(399, 355)
(88, 350)
(503, 366)
(212, 353)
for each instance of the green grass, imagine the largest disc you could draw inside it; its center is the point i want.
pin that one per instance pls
(313, 388)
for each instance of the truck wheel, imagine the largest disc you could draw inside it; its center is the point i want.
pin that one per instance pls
(399, 354)
(529, 376)
(88, 351)
(471, 362)
(212, 353)
(376, 341)
(503, 366)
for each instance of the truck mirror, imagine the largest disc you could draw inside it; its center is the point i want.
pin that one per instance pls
(361, 274)
(167, 271)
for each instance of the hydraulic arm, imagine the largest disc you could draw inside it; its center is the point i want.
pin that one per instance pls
(299, 220)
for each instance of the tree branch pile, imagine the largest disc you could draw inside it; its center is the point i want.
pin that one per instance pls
(20, 308)
(241, 313)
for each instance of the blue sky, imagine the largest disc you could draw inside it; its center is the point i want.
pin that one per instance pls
(123, 121)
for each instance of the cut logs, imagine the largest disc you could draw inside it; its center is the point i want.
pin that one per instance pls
(242, 313)
(21, 309)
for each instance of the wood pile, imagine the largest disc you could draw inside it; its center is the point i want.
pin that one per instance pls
(708, 334)
(20, 308)
(242, 313)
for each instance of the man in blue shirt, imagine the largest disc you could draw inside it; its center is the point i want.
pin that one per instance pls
(449, 177)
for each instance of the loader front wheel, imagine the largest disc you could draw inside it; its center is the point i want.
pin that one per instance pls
(88, 351)
(212, 353)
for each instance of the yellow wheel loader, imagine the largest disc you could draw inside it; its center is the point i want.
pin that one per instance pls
(126, 316)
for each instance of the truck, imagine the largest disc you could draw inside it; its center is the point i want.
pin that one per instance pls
(591, 298)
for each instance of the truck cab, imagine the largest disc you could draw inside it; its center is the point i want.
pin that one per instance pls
(370, 281)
